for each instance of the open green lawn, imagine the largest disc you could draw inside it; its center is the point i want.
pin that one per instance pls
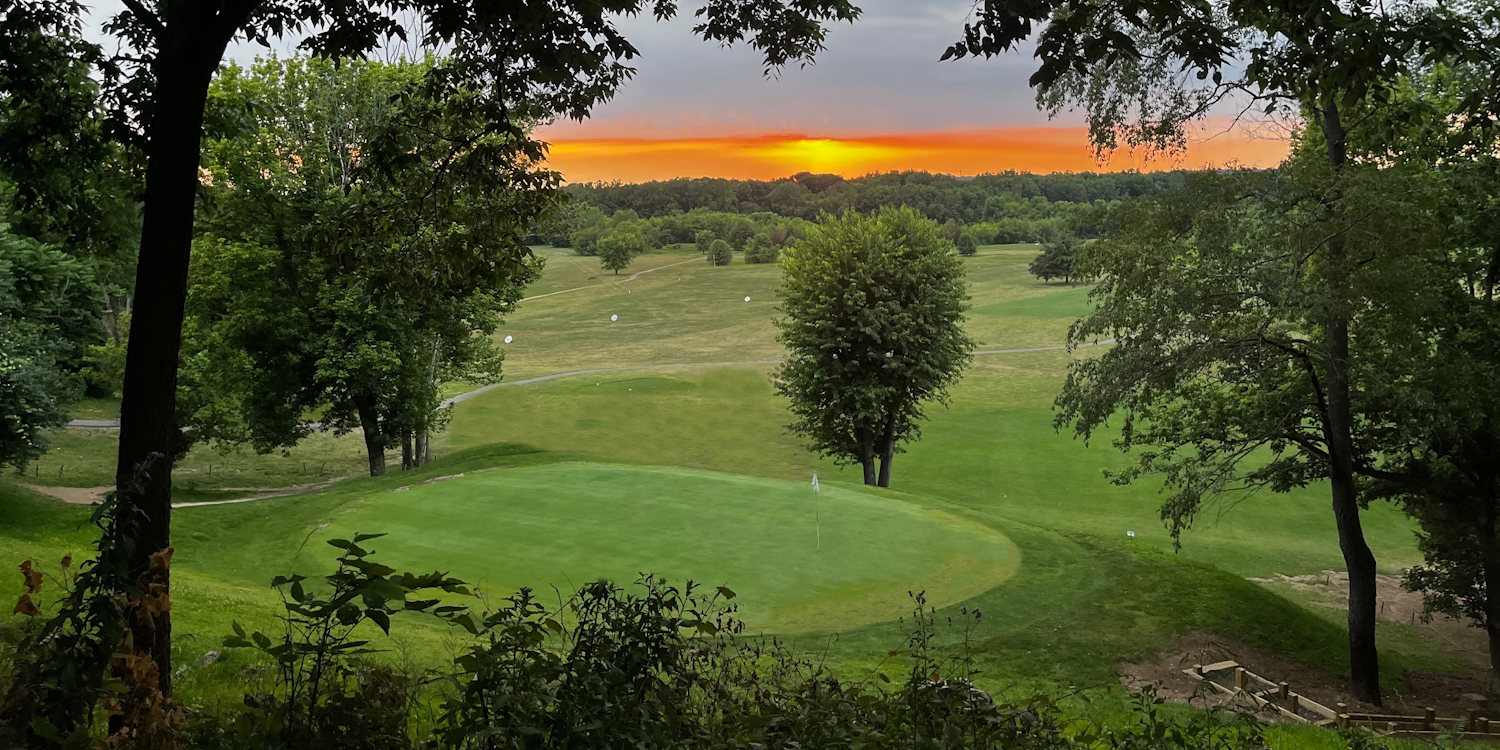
(850, 560)
(689, 471)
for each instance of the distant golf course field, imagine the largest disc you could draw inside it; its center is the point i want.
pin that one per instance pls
(655, 442)
(846, 560)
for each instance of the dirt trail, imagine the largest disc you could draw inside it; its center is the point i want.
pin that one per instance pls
(73, 495)
(91, 495)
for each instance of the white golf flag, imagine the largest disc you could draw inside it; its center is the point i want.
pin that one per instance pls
(817, 522)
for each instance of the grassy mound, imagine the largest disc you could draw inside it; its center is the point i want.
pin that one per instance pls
(566, 524)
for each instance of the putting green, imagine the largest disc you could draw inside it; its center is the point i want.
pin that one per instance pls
(568, 524)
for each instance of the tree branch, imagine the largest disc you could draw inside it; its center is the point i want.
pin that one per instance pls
(149, 19)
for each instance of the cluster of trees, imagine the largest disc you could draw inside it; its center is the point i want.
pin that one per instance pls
(994, 210)
(584, 228)
(1014, 202)
(990, 210)
(350, 260)
(349, 233)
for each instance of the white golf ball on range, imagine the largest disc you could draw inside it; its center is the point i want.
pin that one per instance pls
(613, 318)
(509, 339)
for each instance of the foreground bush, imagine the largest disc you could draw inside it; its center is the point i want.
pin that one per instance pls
(654, 666)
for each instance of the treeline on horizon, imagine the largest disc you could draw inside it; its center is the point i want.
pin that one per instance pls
(941, 197)
(1004, 208)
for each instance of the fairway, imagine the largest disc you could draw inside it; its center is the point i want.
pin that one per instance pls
(567, 524)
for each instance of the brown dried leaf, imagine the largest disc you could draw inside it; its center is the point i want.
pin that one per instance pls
(33, 578)
(25, 606)
(162, 560)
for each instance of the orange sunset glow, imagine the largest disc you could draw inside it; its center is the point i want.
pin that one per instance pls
(761, 157)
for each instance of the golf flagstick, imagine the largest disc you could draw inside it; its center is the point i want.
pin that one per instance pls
(817, 523)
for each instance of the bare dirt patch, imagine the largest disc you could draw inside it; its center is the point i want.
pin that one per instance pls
(74, 495)
(1451, 695)
(1395, 604)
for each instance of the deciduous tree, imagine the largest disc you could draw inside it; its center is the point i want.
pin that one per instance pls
(760, 249)
(966, 245)
(1142, 69)
(350, 264)
(873, 326)
(618, 249)
(44, 301)
(720, 253)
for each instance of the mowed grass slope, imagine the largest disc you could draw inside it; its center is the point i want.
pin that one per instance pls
(1083, 597)
(692, 312)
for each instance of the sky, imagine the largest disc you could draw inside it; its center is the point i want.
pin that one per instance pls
(876, 100)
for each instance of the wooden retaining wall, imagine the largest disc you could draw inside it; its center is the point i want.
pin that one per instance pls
(1232, 679)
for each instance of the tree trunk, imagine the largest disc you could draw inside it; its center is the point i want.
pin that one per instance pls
(148, 408)
(408, 462)
(424, 449)
(887, 453)
(369, 422)
(1364, 663)
(1489, 552)
(867, 455)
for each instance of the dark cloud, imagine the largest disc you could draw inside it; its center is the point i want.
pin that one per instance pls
(879, 75)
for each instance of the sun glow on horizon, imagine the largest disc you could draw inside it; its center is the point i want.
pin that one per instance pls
(771, 156)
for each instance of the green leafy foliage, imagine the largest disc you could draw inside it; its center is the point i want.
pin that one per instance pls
(652, 665)
(617, 250)
(321, 636)
(59, 672)
(967, 245)
(760, 249)
(75, 186)
(719, 253)
(321, 283)
(702, 238)
(1012, 206)
(46, 311)
(1433, 430)
(1216, 393)
(873, 330)
(1056, 260)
